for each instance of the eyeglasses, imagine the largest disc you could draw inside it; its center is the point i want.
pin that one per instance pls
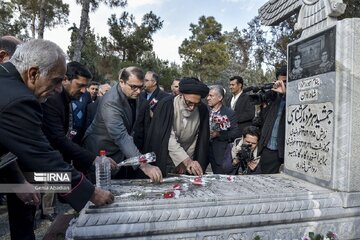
(190, 104)
(135, 87)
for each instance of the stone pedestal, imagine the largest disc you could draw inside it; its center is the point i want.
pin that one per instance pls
(269, 206)
(323, 109)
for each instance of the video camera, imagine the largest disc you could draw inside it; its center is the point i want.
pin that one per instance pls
(261, 94)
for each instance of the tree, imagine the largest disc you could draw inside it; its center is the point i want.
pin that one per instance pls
(167, 71)
(204, 53)
(9, 24)
(84, 20)
(238, 48)
(42, 18)
(352, 9)
(90, 53)
(130, 40)
(37, 15)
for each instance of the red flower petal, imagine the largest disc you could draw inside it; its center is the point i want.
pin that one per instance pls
(169, 194)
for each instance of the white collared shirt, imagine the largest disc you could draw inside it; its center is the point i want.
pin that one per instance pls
(234, 100)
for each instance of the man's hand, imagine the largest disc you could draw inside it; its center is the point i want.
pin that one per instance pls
(113, 164)
(153, 172)
(193, 167)
(101, 197)
(214, 134)
(28, 194)
(281, 88)
(252, 165)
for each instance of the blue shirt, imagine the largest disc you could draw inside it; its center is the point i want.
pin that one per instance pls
(273, 143)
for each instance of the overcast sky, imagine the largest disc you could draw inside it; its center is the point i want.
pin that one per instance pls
(176, 14)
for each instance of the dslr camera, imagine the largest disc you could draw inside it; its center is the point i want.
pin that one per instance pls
(245, 154)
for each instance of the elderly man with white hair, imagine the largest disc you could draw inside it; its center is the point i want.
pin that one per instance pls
(35, 72)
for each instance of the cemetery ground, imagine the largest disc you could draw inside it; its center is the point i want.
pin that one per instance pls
(42, 225)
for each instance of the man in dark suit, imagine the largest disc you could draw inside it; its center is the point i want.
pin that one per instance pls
(57, 119)
(152, 92)
(7, 48)
(34, 73)
(241, 103)
(113, 126)
(220, 137)
(272, 139)
(92, 107)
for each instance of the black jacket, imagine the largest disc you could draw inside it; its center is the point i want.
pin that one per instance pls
(244, 109)
(158, 94)
(91, 112)
(21, 134)
(268, 117)
(56, 125)
(159, 133)
(219, 144)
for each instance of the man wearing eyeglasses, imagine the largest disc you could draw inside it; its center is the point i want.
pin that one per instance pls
(113, 126)
(179, 130)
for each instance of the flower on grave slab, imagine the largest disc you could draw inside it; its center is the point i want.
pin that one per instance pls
(172, 194)
(312, 236)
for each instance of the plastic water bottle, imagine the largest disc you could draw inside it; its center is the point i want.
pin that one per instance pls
(103, 171)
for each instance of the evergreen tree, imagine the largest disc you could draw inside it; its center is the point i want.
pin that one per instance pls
(86, 6)
(204, 53)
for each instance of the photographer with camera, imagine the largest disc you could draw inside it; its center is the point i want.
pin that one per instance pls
(245, 159)
(272, 117)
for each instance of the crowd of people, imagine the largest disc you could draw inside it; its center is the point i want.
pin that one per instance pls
(54, 117)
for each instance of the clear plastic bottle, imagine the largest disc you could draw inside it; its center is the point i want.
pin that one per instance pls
(103, 171)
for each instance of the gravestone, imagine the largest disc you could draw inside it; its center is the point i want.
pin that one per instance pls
(322, 139)
(319, 191)
(272, 207)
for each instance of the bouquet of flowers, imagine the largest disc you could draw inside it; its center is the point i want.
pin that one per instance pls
(219, 123)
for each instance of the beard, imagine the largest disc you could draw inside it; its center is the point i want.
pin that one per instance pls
(186, 113)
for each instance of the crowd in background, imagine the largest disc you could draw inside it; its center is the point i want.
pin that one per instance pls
(55, 117)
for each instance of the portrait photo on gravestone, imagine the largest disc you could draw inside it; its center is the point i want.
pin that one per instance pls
(313, 56)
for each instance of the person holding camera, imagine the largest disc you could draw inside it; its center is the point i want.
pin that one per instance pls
(245, 158)
(272, 117)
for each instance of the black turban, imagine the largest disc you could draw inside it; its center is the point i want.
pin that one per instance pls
(193, 86)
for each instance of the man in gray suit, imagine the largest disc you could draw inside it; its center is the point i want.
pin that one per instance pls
(113, 125)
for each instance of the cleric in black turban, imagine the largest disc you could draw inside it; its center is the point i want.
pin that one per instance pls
(193, 86)
(166, 118)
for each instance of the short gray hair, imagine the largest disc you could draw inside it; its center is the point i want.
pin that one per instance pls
(37, 53)
(219, 89)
